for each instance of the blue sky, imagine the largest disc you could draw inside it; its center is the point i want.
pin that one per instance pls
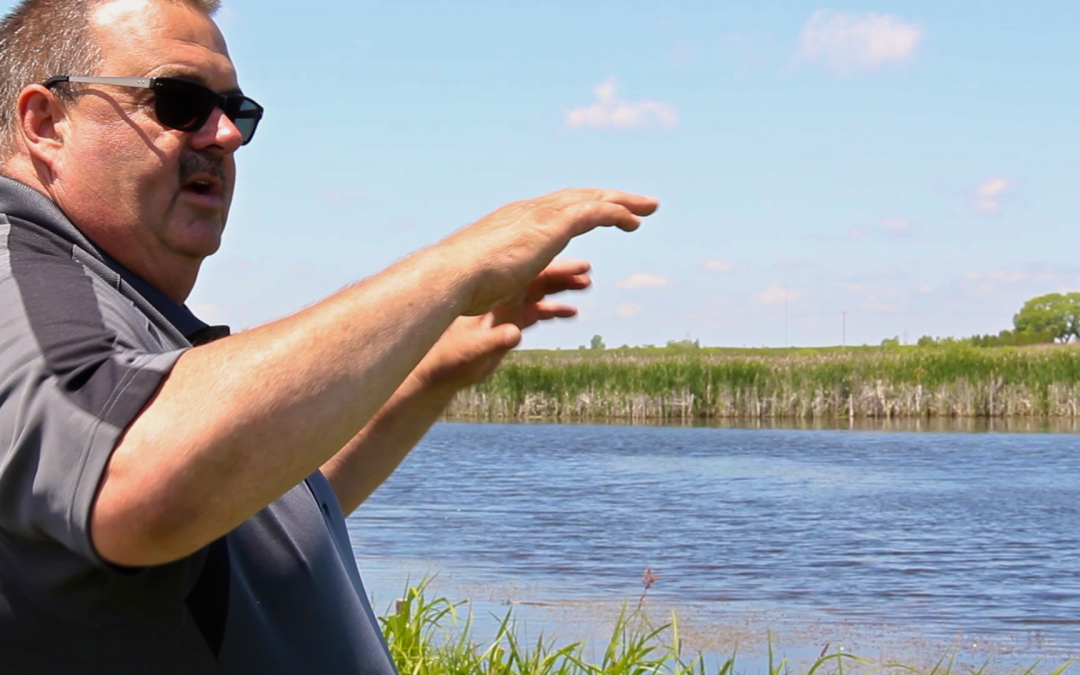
(913, 164)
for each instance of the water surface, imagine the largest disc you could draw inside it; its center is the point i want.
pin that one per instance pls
(877, 539)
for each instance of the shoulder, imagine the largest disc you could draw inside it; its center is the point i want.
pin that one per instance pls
(65, 298)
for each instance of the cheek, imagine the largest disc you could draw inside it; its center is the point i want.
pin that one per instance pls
(129, 141)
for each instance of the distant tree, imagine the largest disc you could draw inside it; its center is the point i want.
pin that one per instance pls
(597, 342)
(1017, 338)
(1057, 314)
(1006, 338)
(890, 343)
(683, 344)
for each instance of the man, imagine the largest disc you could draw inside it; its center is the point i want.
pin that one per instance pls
(169, 508)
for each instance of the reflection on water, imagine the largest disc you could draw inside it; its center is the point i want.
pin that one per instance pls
(940, 537)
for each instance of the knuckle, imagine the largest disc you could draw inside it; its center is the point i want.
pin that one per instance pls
(580, 210)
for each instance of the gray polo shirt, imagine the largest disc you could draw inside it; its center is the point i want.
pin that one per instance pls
(83, 346)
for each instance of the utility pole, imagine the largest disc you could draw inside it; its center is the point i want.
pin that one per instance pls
(843, 342)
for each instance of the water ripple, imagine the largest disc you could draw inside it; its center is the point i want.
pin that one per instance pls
(975, 534)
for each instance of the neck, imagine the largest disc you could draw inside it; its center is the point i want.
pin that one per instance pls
(175, 277)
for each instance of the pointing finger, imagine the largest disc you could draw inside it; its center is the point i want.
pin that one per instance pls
(587, 216)
(565, 267)
(543, 311)
(543, 287)
(555, 310)
(641, 205)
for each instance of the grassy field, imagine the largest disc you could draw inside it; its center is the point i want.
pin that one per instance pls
(427, 637)
(810, 384)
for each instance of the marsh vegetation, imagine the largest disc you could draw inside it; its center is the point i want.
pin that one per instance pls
(888, 382)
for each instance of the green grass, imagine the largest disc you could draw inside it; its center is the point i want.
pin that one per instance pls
(428, 637)
(958, 381)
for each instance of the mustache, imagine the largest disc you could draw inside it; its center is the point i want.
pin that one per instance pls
(195, 163)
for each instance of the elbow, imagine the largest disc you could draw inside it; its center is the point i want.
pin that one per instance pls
(135, 533)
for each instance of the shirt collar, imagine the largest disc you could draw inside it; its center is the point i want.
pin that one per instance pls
(193, 328)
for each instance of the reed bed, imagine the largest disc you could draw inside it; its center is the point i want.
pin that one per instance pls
(880, 384)
(426, 637)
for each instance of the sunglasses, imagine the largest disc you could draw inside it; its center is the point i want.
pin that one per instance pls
(182, 104)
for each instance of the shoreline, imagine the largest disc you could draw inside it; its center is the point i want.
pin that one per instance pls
(976, 425)
(754, 635)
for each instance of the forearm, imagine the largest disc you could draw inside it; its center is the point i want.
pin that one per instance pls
(241, 421)
(373, 454)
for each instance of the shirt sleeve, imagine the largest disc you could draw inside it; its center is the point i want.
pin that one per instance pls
(72, 379)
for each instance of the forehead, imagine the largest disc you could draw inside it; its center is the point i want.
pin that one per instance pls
(160, 37)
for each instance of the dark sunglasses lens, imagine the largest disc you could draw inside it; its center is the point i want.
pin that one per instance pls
(182, 106)
(247, 128)
(246, 118)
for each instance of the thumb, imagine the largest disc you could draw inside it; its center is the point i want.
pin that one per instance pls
(507, 336)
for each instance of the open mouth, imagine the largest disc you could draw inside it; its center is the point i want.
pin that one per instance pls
(204, 186)
(201, 187)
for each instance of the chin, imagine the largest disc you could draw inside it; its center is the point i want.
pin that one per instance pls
(203, 249)
(199, 239)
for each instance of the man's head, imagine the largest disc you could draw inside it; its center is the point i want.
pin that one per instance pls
(152, 196)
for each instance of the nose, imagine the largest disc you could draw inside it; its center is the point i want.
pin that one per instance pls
(219, 131)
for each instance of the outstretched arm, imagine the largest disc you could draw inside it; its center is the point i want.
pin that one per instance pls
(467, 353)
(239, 422)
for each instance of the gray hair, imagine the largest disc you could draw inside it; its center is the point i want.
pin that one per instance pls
(42, 38)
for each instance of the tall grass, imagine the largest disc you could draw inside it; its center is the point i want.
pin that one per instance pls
(427, 637)
(917, 382)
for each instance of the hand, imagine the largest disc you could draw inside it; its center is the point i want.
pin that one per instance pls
(473, 346)
(506, 251)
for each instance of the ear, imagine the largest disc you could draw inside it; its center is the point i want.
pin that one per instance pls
(41, 119)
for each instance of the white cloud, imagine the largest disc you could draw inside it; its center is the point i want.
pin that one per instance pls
(926, 288)
(851, 43)
(776, 294)
(989, 193)
(719, 265)
(627, 309)
(638, 281)
(896, 225)
(609, 111)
